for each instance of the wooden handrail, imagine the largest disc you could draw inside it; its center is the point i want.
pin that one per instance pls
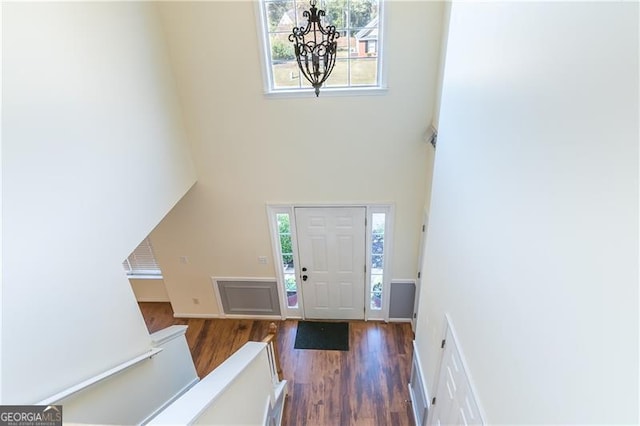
(270, 339)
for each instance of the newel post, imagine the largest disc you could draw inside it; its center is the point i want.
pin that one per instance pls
(272, 340)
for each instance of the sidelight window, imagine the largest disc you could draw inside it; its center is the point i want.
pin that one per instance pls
(286, 258)
(377, 259)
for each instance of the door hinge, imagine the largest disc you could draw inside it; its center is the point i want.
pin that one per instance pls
(433, 401)
(419, 273)
(365, 268)
(423, 228)
(415, 315)
(444, 341)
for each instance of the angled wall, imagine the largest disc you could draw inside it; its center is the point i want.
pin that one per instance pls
(94, 155)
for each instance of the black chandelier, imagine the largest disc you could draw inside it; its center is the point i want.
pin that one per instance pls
(316, 54)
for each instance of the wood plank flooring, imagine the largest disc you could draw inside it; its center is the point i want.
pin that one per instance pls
(366, 385)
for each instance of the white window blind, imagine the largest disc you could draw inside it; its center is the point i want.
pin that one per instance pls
(142, 261)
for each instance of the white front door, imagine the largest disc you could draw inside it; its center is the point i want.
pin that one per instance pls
(331, 248)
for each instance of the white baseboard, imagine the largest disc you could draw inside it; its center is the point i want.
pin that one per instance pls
(399, 319)
(230, 316)
(294, 317)
(153, 299)
(203, 316)
(256, 317)
(412, 398)
(417, 380)
(423, 379)
(170, 401)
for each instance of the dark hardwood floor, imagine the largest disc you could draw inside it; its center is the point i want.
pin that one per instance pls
(366, 385)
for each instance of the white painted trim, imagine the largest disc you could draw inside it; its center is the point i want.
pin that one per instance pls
(412, 399)
(407, 320)
(99, 377)
(275, 252)
(360, 203)
(403, 281)
(191, 405)
(272, 212)
(168, 334)
(419, 280)
(256, 279)
(389, 242)
(222, 314)
(157, 277)
(296, 263)
(257, 317)
(388, 209)
(417, 368)
(370, 314)
(436, 377)
(153, 300)
(418, 363)
(262, 42)
(299, 317)
(327, 92)
(267, 410)
(202, 316)
(280, 388)
(216, 291)
(448, 325)
(170, 401)
(382, 60)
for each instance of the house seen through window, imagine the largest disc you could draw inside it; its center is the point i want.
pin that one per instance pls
(358, 62)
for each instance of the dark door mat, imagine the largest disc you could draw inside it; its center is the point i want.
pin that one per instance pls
(328, 336)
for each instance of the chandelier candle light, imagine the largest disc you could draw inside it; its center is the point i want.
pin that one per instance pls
(316, 54)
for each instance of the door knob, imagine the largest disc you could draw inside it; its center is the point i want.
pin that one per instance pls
(304, 269)
(304, 278)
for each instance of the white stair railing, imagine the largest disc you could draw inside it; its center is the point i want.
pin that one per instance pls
(272, 353)
(236, 392)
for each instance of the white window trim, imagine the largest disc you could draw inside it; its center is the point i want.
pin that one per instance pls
(272, 212)
(144, 277)
(387, 208)
(267, 77)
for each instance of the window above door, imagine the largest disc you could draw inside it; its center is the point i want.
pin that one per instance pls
(358, 68)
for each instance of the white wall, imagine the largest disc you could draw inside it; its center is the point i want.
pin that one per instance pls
(94, 155)
(250, 150)
(533, 236)
(141, 391)
(235, 393)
